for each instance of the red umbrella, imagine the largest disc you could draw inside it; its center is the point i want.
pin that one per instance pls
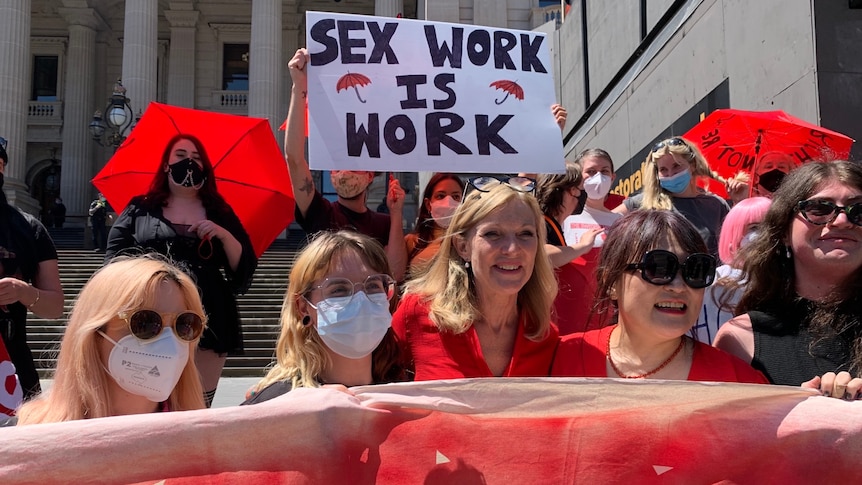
(351, 80)
(733, 140)
(248, 165)
(510, 87)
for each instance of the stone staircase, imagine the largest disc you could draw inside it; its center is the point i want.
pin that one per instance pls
(259, 308)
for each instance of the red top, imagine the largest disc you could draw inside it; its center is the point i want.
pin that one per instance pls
(583, 355)
(613, 201)
(445, 355)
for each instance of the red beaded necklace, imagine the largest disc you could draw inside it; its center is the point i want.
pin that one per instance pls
(642, 376)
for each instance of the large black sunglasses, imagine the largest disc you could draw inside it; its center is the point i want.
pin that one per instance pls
(822, 212)
(147, 324)
(487, 182)
(670, 142)
(660, 267)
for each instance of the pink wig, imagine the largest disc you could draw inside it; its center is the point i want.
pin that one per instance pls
(748, 211)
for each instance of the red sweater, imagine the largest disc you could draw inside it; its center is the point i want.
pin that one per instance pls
(444, 355)
(584, 355)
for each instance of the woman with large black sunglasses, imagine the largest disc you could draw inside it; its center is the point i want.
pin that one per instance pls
(653, 270)
(800, 317)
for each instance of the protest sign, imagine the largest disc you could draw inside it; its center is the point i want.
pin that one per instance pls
(406, 95)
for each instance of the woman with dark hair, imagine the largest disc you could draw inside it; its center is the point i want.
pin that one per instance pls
(653, 270)
(183, 217)
(800, 318)
(560, 196)
(439, 201)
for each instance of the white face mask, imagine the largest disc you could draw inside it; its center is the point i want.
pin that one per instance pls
(598, 186)
(150, 369)
(442, 211)
(353, 326)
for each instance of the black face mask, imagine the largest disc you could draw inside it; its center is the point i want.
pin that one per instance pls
(187, 173)
(582, 200)
(772, 179)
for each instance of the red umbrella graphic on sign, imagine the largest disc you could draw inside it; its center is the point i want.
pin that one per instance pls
(510, 87)
(351, 80)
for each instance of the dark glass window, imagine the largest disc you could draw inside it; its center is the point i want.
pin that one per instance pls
(44, 78)
(235, 67)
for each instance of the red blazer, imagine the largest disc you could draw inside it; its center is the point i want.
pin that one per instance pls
(444, 355)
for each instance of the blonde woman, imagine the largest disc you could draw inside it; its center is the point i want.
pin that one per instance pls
(335, 320)
(483, 308)
(133, 315)
(670, 183)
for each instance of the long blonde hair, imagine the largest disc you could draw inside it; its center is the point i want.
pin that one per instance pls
(300, 353)
(450, 288)
(654, 196)
(80, 388)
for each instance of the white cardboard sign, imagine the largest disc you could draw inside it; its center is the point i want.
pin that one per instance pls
(390, 94)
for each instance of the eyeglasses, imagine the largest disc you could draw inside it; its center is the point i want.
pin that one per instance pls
(147, 324)
(670, 142)
(486, 183)
(376, 284)
(821, 212)
(660, 267)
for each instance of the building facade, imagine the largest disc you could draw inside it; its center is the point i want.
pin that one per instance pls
(59, 61)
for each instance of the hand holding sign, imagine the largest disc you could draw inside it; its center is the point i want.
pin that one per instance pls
(395, 196)
(296, 68)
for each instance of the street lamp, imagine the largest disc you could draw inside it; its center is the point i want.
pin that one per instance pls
(120, 117)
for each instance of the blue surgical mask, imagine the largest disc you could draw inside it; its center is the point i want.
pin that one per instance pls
(676, 183)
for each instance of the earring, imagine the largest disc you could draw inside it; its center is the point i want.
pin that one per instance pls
(306, 320)
(612, 293)
(787, 253)
(467, 264)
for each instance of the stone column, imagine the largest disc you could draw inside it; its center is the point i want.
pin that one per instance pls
(290, 41)
(140, 52)
(181, 60)
(14, 93)
(265, 63)
(443, 10)
(490, 13)
(388, 8)
(78, 107)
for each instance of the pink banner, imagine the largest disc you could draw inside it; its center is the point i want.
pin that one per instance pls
(466, 431)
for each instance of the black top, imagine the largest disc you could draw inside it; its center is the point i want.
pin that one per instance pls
(145, 229)
(323, 215)
(24, 243)
(788, 354)
(554, 230)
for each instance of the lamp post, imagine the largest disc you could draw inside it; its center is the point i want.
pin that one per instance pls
(119, 118)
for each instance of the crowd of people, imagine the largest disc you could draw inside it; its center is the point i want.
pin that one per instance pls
(487, 286)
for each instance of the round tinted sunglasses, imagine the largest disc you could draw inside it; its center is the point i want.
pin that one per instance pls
(822, 212)
(147, 324)
(660, 267)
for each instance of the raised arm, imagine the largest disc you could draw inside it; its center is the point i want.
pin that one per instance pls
(294, 134)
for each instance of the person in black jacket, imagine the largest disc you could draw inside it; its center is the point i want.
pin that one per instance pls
(183, 217)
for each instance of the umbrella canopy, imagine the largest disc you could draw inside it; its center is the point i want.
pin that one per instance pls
(735, 140)
(249, 169)
(509, 87)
